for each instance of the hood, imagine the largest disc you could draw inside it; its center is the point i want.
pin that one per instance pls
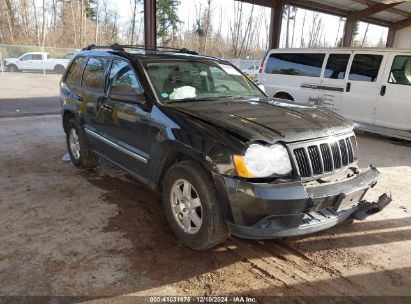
(10, 59)
(268, 120)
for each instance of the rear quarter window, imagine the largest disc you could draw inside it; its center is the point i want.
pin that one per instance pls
(297, 64)
(74, 71)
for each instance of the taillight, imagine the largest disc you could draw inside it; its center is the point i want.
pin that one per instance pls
(261, 67)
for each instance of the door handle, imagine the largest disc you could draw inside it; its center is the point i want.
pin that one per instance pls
(383, 90)
(107, 108)
(348, 87)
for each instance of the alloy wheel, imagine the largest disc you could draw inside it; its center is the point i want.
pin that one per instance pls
(186, 206)
(74, 143)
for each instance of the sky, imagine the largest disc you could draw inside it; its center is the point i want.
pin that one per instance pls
(188, 8)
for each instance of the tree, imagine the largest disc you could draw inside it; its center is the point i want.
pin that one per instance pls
(133, 4)
(167, 19)
(289, 14)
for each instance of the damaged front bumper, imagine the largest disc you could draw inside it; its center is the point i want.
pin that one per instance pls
(270, 210)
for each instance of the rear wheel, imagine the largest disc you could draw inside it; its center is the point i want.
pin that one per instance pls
(79, 153)
(12, 68)
(59, 69)
(191, 206)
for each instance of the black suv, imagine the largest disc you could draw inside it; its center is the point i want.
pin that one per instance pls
(227, 158)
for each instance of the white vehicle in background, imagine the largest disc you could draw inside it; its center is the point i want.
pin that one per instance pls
(251, 71)
(36, 61)
(367, 85)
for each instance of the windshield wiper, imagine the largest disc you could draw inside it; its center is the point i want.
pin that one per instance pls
(198, 99)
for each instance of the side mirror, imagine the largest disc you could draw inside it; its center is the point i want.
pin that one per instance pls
(126, 94)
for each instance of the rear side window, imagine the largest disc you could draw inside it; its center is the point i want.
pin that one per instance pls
(365, 67)
(37, 57)
(94, 73)
(336, 66)
(299, 64)
(74, 72)
(401, 70)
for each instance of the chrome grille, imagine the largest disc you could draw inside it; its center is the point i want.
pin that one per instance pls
(321, 157)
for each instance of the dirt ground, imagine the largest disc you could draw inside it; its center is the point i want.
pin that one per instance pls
(23, 94)
(67, 232)
(100, 233)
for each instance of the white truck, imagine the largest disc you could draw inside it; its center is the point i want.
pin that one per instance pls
(35, 61)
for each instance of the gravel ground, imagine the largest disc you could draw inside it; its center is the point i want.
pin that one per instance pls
(64, 231)
(68, 232)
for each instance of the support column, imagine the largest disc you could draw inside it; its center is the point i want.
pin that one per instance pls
(150, 27)
(391, 37)
(348, 32)
(275, 24)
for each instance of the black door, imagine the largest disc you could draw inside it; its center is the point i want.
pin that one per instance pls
(93, 90)
(125, 124)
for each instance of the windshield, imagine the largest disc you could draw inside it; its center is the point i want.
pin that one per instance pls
(190, 80)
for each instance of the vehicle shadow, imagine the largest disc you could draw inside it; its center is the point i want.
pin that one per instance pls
(157, 258)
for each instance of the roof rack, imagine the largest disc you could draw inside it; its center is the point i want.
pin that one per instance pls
(121, 48)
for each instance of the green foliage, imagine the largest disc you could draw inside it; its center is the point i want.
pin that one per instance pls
(198, 28)
(167, 18)
(356, 29)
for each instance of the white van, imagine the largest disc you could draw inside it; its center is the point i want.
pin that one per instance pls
(367, 85)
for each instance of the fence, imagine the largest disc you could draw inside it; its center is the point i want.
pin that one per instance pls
(250, 66)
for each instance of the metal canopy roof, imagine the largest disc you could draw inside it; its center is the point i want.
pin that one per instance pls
(387, 12)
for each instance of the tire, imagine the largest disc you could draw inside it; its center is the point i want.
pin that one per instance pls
(59, 69)
(213, 229)
(80, 155)
(12, 68)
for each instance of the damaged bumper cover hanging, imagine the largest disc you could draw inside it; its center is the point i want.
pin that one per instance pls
(262, 211)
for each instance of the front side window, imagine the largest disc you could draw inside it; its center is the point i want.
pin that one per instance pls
(94, 73)
(401, 70)
(74, 72)
(336, 66)
(365, 67)
(297, 64)
(122, 74)
(27, 57)
(175, 80)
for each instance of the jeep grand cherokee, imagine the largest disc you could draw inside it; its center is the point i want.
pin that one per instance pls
(227, 158)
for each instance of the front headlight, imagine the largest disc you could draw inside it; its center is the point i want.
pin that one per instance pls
(262, 161)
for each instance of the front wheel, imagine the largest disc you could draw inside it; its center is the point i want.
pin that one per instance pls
(80, 155)
(12, 68)
(191, 206)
